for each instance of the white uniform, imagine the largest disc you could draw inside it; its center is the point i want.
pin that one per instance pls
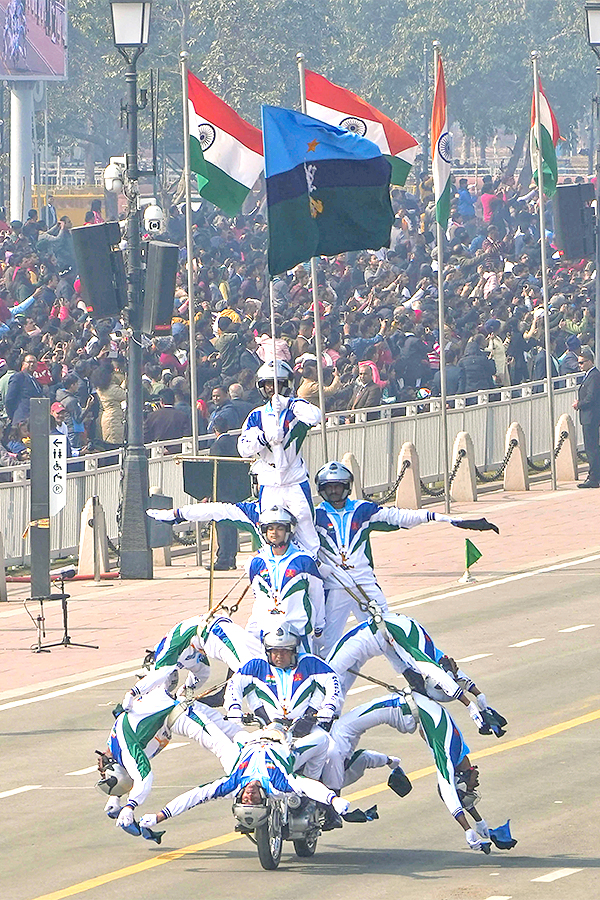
(404, 643)
(346, 559)
(189, 645)
(287, 588)
(437, 728)
(138, 735)
(287, 694)
(268, 762)
(276, 439)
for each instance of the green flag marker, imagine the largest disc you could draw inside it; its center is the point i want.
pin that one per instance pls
(472, 554)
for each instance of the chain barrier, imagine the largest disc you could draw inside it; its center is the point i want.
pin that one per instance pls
(392, 492)
(433, 492)
(543, 467)
(114, 548)
(485, 479)
(186, 539)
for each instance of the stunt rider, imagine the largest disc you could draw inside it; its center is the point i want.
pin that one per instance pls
(286, 582)
(262, 768)
(344, 527)
(300, 692)
(275, 433)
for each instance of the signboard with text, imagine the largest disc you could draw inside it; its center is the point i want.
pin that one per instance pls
(58, 473)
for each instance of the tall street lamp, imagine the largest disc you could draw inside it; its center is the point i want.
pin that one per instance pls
(131, 30)
(592, 13)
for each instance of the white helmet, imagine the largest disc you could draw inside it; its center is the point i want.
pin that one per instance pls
(278, 515)
(251, 815)
(116, 780)
(285, 637)
(334, 473)
(285, 378)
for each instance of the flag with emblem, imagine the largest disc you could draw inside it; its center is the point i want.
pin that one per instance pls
(550, 135)
(327, 189)
(341, 107)
(225, 151)
(441, 149)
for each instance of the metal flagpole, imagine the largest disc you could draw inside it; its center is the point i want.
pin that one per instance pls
(437, 48)
(300, 59)
(275, 402)
(189, 241)
(538, 139)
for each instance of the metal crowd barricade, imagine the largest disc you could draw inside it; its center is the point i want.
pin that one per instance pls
(374, 436)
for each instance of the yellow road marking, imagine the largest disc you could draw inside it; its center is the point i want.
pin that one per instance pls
(358, 795)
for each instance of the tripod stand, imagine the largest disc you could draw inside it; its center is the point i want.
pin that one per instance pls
(40, 623)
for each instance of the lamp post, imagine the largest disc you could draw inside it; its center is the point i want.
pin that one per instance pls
(592, 13)
(131, 30)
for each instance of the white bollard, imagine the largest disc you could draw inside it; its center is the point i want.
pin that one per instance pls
(464, 486)
(161, 556)
(516, 473)
(93, 548)
(567, 468)
(408, 492)
(349, 460)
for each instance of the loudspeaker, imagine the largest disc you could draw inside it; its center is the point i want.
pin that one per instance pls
(574, 220)
(101, 269)
(161, 268)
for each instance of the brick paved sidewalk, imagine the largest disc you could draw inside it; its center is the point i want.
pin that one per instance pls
(124, 618)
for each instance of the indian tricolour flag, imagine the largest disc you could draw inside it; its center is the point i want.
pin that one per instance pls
(337, 106)
(441, 149)
(226, 151)
(550, 135)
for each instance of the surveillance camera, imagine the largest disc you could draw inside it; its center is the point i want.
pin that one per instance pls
(154, 219)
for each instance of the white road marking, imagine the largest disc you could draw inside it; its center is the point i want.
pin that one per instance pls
(84, 771)
(573, 628)
(506, 580)
(69, 690)
(21, 790)
(526, 643)
(498, 897)
(473, 658)
(367, 687)
(175, 746)
(558, 873)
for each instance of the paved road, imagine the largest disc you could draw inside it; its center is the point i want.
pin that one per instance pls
(531, 654)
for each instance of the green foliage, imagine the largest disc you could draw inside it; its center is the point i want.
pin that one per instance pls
(245, 51)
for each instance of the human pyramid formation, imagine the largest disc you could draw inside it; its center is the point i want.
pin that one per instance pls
(292, 666)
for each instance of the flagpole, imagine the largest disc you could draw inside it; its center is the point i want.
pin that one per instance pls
(538, 139)
(300, 59)
(189, 241)
(437, 51)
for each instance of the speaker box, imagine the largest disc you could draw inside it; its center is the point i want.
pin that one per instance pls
(161, 268)
(574, 220)
(100, 267)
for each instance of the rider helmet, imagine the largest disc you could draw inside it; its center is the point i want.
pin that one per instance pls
(116, 780)
(285, 637)
(278, 515)
(334, 473)
(285, 378)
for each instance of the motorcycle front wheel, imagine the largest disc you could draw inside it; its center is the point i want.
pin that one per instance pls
(269, 840)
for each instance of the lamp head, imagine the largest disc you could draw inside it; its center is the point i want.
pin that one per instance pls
(131, 23)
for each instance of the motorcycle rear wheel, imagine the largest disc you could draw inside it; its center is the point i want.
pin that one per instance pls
(306, 846)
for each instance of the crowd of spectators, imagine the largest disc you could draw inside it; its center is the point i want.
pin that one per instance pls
(378, 313)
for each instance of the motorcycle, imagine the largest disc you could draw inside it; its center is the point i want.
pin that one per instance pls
(275, 820)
